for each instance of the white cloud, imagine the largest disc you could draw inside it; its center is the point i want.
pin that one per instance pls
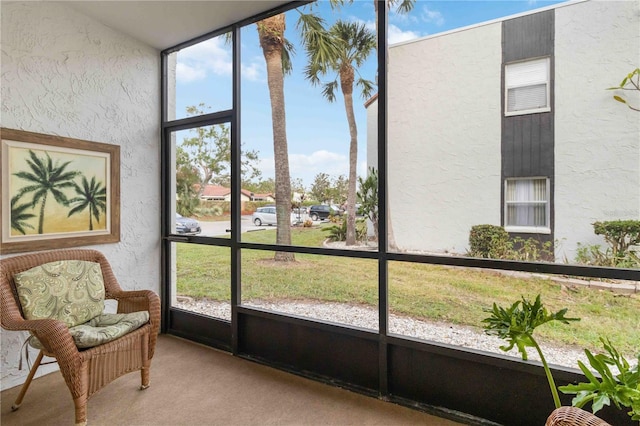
(307, 166)
(432, 16)
(396, 35)
(370, 25)
(321, 161)
(211, 57)
(253, 71)
(396, 16)
(186, 73)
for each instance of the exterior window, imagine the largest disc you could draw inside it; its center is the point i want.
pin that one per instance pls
(527, 87)
(527, 205)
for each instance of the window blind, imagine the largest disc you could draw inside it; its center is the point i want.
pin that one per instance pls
(527, 84)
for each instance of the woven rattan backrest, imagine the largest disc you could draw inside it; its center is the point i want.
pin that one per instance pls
(10, 266)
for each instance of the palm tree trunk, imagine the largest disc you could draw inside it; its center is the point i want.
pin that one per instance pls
(346, 83)
(41, 218)
(271, 33)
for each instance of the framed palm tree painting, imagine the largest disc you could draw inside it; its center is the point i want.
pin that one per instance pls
(57, 192)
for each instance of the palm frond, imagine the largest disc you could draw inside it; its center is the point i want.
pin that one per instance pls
(228, 38)
(37, 165)
(59, 196)
(312, 73)
(19, 216)
(328, 90)
(319, 44)
(58, 171)
(367, 87)
(28, 177)
(344, 44)
(402, 6)
(288, 50)
(77, 209)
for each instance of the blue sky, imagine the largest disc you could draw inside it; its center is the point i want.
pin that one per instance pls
(317, 131)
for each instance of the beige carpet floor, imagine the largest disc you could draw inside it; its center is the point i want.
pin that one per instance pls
(195, 385)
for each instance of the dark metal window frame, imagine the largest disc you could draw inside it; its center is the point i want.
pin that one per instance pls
(387, 345)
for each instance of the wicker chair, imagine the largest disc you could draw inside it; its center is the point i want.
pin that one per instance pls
(572, 416)
(85, 371)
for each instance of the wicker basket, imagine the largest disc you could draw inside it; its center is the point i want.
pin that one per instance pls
(572, 416)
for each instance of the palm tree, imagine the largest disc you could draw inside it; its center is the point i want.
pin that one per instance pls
(19, 216)
(91, 195)
(45, 178)
(274, 47)
(277, 49)
(351, 44)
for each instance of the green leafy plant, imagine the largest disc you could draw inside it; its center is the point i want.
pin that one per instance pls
(516, 325)
(531, 249)
(630, 82)
(338, 232)
(622, 388)
(594, 255)
(489, 241)
(620, 235)
(215, 210)
(494, 242)
(368, 198)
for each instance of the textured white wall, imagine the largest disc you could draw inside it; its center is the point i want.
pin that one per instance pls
(597, 140)
(68, 75)
(444, 138)
(372, 134)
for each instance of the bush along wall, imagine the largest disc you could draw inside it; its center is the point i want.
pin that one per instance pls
(494, 242)
(488, 241)
(622, 238)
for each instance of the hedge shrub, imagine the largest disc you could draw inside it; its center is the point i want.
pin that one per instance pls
(619, 234)
(488, 241)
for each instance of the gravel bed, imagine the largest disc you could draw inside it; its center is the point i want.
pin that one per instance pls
(367, 317)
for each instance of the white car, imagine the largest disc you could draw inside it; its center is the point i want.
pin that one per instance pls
(267, 216)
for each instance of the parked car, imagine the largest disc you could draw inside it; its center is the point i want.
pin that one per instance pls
(185, 225)
(267, 216)
(323, 211)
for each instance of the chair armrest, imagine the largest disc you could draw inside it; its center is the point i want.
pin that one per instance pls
(137, 300)
(53, 334)
(141, 300)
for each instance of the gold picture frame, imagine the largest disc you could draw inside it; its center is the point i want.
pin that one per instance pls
(57, 192)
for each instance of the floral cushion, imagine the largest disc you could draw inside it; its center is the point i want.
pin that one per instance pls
(102, 329)
(71, 291)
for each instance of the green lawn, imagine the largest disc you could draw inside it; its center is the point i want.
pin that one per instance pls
(441, 293)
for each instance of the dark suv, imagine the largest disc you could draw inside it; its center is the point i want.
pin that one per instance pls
(320, 212)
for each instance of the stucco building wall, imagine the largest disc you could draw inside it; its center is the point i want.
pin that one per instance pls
(444, 138)
(66, 74)
(597, 139)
